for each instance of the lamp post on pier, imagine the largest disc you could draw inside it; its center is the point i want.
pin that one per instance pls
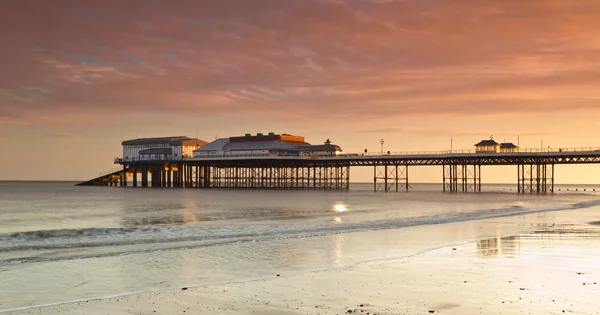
(381, 141)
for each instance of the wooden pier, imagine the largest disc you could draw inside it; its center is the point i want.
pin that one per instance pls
(460, 170)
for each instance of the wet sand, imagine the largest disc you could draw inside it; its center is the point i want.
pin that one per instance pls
(548, 265)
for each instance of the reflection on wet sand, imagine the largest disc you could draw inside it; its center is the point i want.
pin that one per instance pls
(491, 247)
(188, 215)
(544, 234)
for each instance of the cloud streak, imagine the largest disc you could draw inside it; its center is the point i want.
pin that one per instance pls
(66, 136)
(343, 59)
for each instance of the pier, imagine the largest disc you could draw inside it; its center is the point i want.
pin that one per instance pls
(287, 162)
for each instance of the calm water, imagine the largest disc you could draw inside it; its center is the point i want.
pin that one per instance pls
(61, 243)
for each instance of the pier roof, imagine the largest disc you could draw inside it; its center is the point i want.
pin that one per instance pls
(171, 141)
(323, 147)
(225, 144)
(507, 145)
(486, 143)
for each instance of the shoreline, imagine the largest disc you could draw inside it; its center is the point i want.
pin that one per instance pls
(179, 298)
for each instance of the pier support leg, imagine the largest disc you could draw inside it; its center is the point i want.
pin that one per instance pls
(159, 178)
(461, 177)
(535, 178)
(375, 177)
(124, 177)
(387, 177)
(406, 184)
(448, 177)
(186, 178)
(444, 177)
(207, 177)
(169, 175)
(479, 178)
(135, 176)
(348, 177)
(144, 175)
(552, 178)
(181, 175)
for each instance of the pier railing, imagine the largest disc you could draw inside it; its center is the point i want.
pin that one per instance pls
(471, 151)
(347, 155)
(559, 150)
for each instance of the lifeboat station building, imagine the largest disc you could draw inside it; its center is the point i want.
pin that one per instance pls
(491, 146)
(270, 144)
(163, 148)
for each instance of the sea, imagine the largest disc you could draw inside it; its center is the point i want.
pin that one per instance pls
(61, 243)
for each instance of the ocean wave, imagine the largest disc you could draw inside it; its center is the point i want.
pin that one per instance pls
(70, 233)
(586, 204)
(223, 235)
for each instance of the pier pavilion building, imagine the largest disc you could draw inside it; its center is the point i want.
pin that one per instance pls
(163, 148)
(487, 146)
(265, 145)
(491, 146)
(507, 147)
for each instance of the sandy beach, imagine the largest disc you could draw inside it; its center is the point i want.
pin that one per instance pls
(543, 263)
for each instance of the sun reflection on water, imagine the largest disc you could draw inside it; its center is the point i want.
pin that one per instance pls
(340, 207)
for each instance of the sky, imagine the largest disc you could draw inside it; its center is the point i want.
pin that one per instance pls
(78, 77)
